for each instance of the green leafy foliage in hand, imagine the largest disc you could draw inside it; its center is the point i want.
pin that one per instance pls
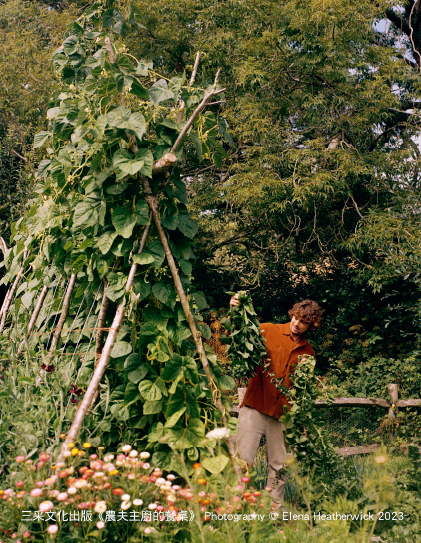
(245, 343)
(304, 436)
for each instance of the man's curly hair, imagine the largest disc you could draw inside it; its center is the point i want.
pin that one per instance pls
(308, 312)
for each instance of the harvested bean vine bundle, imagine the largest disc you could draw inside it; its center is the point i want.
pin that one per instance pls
(246, 346)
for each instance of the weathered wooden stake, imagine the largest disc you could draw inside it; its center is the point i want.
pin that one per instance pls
(63, 315)
(393, 393)
(34, 317)
(10, 293)
(100, 332)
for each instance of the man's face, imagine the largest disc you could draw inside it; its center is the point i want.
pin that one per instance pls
(298, 327)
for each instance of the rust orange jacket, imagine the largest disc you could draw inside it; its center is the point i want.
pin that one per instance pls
(283, 353)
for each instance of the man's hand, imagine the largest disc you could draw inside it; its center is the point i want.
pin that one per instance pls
(234, 300)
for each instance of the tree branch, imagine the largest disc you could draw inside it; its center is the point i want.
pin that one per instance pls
(397, 20)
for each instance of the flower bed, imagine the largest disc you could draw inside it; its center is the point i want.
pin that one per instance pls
(96, 496)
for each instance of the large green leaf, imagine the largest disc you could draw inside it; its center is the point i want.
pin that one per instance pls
(150, 391)
(160, 92)
(143, 258)
(105, 241)
(200, 300)
(165, 294)
(157, 251)
(131, 394)
(122, 117)
(172, 421)
(215, 464)
(152, 407)
(142, 289)
(85, 215)
(137, 375)
(121, 348)
(123, 221)
(41, 138)
(141, 213)
(187, 225)
(195, 432)
(124, 164)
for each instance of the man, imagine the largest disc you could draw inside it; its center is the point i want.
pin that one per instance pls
(263, 403)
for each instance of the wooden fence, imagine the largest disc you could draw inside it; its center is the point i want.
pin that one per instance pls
(391, 404)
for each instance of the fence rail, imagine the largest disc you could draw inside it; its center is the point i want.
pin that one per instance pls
(356, 402)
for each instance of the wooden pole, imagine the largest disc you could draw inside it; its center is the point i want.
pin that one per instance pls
(153, 204)
(393, 393)
(9, 297)
(63, 316)
(100, 333)
(103, 361)
(34, 316)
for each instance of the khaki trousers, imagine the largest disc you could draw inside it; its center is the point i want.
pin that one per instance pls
(252, 425)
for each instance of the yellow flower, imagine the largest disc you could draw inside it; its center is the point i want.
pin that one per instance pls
(70, 445)
(113, 472)
(87, 445)
(75, 452)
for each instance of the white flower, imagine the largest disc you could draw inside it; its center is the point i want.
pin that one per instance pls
(125, 505)
(108, 458)
(125, 497)
(218, 433)
(133, 454)
(72, 490)
(144, 455)
(137, 502)
(81, 483)
(160, 481)
(100, 507)
(126, 448)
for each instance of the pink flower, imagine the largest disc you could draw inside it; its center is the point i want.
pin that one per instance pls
(44, 457)
(93, 457)
(46, 506)
(100, 525)
(20, 459)
(26, 534)
(39, 484)
(62, 496)
(40, 464)
(245, 479)
(146, 465)
(19, 484)
(36, 492)
(52, 529)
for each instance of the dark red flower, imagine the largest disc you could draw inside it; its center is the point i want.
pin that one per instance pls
(74, 400)
(51, 368)
(43, 367)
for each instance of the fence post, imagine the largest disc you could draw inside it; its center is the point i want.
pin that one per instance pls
(393, 393)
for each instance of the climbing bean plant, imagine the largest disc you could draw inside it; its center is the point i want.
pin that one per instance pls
(111, 120)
